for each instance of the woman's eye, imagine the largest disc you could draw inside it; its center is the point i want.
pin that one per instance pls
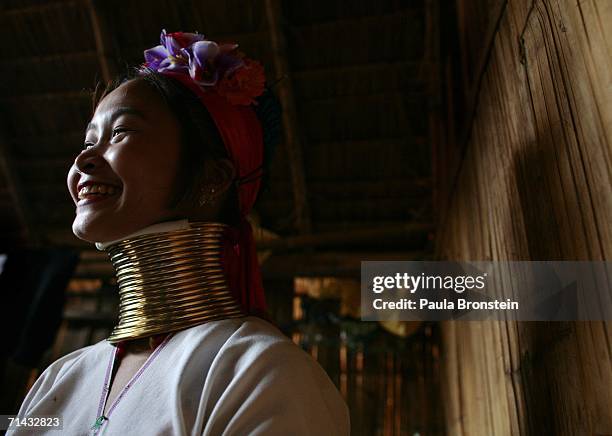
(119, 130)
(88, 145)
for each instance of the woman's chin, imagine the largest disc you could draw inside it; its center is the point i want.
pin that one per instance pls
(86, 233)
(96, 230)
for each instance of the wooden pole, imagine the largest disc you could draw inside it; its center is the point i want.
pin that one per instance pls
(103, 41)
(293, 142)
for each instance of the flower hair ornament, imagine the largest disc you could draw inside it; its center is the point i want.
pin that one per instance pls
(247, 115)
(220, 68)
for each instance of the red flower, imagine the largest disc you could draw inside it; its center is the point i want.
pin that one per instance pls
(243, 85)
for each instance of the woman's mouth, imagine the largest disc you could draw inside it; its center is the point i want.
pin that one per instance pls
(96, 192)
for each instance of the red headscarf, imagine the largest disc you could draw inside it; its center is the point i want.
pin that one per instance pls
(242, 135)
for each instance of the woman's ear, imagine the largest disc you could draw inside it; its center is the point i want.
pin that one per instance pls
(216, 179)
(218, 176)
(206, 199)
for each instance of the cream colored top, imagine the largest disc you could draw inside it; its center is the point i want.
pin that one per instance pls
(238, 376)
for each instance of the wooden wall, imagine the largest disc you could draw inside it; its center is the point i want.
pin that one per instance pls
(534, 183)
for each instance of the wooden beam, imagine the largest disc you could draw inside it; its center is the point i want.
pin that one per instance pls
(390, 233)
(364, 188)
(334, 264)
(327, 264)
(374, 97)
(293, 138)
(374, 235)
(362, 20)
(103, 41)
(376, 68)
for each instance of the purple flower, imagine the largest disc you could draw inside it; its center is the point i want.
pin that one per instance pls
(175, 41)
(205, 61)
(208, 61)
(170, 55)
(156, 57)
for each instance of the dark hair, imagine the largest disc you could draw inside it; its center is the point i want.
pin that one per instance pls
(200, 138)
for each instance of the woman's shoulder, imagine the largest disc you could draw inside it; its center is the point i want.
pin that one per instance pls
(260, 370)
(69, 360)
(246, 331)
(257, 350)
(251, 328)
(248, 344)
(252, 336)
(71, 366)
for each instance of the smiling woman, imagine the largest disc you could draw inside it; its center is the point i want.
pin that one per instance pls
(132, 146)
(171, 166)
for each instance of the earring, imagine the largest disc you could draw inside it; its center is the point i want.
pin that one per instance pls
(207, 197)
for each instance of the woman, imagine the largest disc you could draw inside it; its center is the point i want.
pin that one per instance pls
(171, 166)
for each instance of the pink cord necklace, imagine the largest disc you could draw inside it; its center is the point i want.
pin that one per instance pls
(157, 343)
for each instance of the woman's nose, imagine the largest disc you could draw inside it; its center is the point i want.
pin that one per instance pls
(89, 160)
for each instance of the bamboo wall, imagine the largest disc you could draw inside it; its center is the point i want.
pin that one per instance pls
(534, 183)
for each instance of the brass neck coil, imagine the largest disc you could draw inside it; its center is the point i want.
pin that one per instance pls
(171, 281)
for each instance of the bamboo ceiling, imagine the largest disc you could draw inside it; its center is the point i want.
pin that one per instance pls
(356, 149)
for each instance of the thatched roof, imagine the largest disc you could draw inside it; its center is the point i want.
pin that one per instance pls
(357, 153)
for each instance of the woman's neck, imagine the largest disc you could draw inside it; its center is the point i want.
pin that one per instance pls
(170, 277)
(166, 226)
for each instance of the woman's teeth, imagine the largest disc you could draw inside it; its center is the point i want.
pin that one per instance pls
(96, 189)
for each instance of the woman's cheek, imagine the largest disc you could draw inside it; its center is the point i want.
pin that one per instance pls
(71, 181)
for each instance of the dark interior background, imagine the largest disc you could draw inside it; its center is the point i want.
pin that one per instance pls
(367, 87)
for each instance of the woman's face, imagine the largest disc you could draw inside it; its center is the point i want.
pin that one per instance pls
(124, 179)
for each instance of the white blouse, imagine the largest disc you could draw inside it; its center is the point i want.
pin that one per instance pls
(237, 376)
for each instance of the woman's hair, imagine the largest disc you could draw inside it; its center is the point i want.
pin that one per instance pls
(200, 140)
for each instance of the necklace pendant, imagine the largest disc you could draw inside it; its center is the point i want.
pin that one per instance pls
(98, 422)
